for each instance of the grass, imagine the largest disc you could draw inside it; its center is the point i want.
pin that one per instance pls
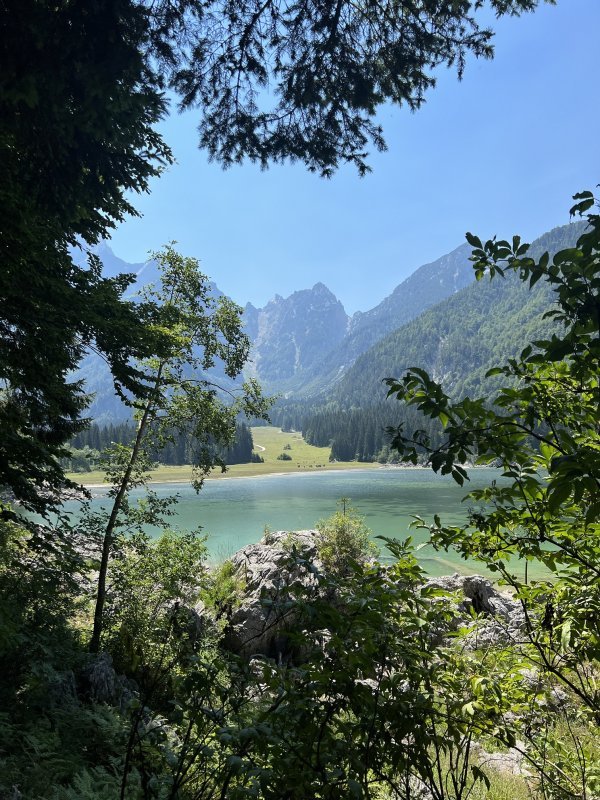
(269, 442)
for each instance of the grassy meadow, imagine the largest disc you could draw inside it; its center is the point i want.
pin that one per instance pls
(269, 442)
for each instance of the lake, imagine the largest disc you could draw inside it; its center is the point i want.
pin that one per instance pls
(235, 511)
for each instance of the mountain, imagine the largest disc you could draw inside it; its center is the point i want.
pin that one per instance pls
(426, 286)
(290, 335)
(106, 407)
(112, 265)
(307, 348)
(457, 342)
(461, 338)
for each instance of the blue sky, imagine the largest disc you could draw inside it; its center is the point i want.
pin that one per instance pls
(499, 153)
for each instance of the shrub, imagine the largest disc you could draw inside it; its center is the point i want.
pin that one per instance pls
(284, 457)
(224, 590)
(342, 539)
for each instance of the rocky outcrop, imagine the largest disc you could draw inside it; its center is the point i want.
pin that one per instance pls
(283, 565)
(272, 571)
(500, 618)
(100, 683)
(290, 335)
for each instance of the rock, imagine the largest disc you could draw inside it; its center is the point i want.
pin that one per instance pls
(282, 561)
(61, 689)
(191, 622)
(100, 683)
(501, 618)
(271, 570)
(510, 762)
(10, 794)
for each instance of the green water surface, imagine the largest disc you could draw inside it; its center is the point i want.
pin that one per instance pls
(234, 512)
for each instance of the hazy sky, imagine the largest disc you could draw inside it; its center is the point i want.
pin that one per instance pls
(499, 153)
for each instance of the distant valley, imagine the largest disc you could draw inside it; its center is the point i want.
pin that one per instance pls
(325, 365)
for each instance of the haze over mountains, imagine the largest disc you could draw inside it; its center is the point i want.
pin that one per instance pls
(307, 349)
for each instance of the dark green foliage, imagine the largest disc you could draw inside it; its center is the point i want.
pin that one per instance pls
(151, 626)
(100, 437)
(223, 590)
(75, 134)
(86, 446)
(240, 452)
(541, 428)
(284, 457)
(47, 736)
(357, 434)
(344, 540)
(328, 66)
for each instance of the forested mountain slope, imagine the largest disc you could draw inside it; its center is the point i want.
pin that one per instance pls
(462, 337)
(456, 341)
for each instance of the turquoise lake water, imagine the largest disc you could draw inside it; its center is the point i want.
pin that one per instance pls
(235, 511)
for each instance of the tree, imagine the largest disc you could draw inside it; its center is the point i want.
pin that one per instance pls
(81, 88)
(343, 540)
(542, 429)
(200, 330)
(78, 105)
(278, 80)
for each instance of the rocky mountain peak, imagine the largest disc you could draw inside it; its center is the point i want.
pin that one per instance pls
(289, 333)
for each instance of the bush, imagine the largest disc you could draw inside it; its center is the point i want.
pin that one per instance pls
(284, 457)
(224, 589)
(343, 539)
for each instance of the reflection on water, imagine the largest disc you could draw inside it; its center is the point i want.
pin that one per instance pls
(235, 511)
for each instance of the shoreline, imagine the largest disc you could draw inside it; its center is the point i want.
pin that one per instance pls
(345, 468)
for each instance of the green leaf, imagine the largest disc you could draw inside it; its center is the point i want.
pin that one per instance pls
(473, 240)
(558, 496)
(565, 636)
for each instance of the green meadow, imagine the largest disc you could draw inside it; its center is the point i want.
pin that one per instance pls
(269, 443)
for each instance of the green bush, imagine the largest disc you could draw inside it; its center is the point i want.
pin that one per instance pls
(224, 589)
(343, 539)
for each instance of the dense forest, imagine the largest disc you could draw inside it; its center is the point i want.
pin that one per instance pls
(87, 446)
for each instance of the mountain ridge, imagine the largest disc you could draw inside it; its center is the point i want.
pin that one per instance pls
(307, 348)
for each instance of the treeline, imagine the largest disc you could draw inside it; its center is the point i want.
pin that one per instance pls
(355, 433)
(87, 447)
(364, 434)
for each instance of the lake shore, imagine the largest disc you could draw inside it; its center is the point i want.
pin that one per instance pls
(183, 474)
(283, 453)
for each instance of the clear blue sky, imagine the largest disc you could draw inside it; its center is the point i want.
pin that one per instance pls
(499, 153)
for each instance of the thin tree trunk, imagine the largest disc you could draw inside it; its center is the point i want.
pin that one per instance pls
(112, 520)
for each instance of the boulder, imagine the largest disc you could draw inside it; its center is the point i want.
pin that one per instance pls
(501, 619)
(271, 570)
(191, 623)
(283, 562)
(100, 683)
